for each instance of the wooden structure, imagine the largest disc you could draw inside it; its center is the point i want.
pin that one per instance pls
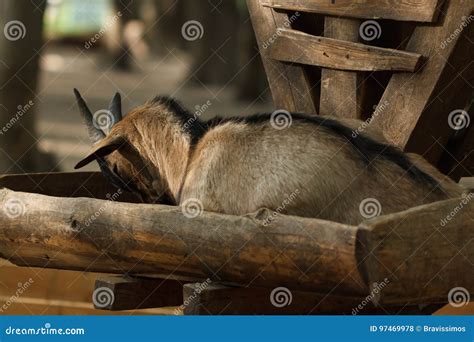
(317, 62)
(327, 267)
(343, 58)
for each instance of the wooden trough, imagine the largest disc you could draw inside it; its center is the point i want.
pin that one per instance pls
(416, 256)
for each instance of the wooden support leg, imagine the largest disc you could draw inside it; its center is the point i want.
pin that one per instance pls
(123, 293)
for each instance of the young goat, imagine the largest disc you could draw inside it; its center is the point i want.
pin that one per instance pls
(315, 167)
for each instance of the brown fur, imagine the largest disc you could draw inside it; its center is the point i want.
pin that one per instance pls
(237, 168)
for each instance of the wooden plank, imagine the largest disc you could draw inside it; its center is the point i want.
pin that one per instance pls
(288, 83)
(131, 293)
(216, 299)
(340, 94)
(424, 252)
(299, 47)
(411, 10)
(106, 236)
(65, 184)
(418, 105)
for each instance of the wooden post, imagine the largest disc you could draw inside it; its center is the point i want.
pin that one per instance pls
(340, 94)
(289, 85)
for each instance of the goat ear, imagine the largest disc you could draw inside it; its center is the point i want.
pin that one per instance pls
(102, 149)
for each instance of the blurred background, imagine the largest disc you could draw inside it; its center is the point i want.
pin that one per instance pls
(201, 52)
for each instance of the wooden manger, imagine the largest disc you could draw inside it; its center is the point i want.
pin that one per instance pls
(407, 74)
(161, 255)
(407, 81)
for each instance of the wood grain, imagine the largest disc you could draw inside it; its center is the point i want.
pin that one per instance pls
(139, 239)
(408, 10)
(340, 90)
(298, 47)
(423, 252)
(288, 83)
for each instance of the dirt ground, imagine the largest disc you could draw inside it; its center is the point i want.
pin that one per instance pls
(59, 126)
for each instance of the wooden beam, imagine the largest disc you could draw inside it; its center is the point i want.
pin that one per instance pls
(420, 253)
(412, 10)
(340, 94)
(424, 252)
(131, 293)
(418, 105)
(65, 184)
(141, 239)
(299, 47)
(216, 299)
(288, 83)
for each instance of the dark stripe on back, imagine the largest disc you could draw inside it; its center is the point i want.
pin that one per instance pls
(369, 148)
(190, 122)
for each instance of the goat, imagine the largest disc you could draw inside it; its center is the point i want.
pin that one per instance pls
(316, 167)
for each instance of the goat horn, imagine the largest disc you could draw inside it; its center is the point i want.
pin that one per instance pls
(115, 107)
(95, 133)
